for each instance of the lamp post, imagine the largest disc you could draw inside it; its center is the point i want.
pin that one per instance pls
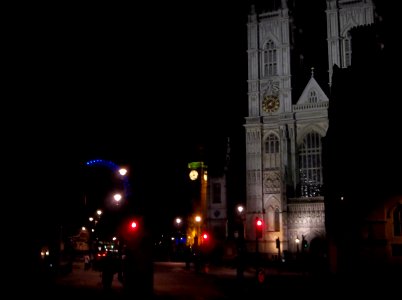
(122, 171)
(117, 197)
(198, 222)
(178, 223)
(241, 246)
(240, 211)
(123, 174)
(297, 241)
(93, 221)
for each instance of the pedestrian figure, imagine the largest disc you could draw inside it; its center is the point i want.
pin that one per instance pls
(188, 256)
(87, 262)
(108, 270)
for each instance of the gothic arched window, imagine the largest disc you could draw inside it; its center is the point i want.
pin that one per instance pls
(277, 220)
(347, 49)
(269, 59)
(312, 97)
(272, 156)
(310, 165)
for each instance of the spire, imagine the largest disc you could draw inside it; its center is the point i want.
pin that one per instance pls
(252, 9)
(227, 154)
(312, 72)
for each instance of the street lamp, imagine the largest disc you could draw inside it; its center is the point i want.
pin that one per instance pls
(117, 197)
(297, 244)
(178, 222)
(123, 171)
(240, 211)
(198, 221)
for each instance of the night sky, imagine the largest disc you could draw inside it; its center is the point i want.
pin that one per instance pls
(151, 87)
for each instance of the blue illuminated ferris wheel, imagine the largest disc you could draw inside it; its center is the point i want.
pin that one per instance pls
(121, 171)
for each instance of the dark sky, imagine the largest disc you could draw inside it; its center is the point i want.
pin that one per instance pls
(151, 86)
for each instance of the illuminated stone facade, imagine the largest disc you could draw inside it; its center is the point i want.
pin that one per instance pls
(287, 120)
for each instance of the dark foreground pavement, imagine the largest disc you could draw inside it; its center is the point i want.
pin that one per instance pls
(170, 281)
(223, 280)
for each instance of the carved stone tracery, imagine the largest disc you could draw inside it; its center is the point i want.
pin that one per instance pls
(272, 182)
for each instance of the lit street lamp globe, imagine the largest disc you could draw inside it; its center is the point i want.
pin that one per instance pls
(117, 197)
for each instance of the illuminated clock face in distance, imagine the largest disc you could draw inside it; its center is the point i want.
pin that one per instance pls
(193, 174)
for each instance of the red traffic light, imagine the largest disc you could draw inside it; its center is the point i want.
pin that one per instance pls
(258, 228)
(133, 225)
(130, 229)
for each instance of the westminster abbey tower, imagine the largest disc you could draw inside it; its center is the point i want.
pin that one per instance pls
(288, 99)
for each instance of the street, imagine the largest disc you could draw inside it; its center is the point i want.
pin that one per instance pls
(172, 280)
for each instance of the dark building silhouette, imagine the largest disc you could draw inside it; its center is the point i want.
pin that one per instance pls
(362, 157)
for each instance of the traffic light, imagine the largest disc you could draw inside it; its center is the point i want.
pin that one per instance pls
(204, 238)
(133, 225)
(130, 228)
(258, 228)
(131, 232)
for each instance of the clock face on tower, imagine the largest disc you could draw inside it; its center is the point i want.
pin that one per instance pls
(270, 103)
(193, 175)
